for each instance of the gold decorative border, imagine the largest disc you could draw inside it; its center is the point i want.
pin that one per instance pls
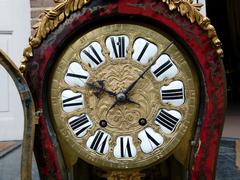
(51, 18)
(191, 11)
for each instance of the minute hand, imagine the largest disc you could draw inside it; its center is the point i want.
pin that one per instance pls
(142, 74)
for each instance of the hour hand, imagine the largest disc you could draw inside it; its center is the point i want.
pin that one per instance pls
(99, 87)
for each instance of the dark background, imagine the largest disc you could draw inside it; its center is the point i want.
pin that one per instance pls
(225, 16)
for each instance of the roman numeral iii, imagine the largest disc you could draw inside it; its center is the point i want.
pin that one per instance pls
(173, 93)
(164, 68)
(124, 147)
(71, 101)
(92, 55)
(99, 142)
(168, 120)
(117, 46)
(80, 125)
(76, 75)
(150, 140)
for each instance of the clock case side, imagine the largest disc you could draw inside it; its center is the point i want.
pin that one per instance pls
(29, 115)
(196, 40)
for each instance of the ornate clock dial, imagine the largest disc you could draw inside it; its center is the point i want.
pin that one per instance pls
(107, 117)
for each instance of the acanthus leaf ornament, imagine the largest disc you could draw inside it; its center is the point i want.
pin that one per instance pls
(191, 11)
(51, 18)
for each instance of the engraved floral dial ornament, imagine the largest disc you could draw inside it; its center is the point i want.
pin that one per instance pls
(125, 96)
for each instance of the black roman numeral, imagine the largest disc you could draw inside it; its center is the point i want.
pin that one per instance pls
(150, 140)
(67, 102)
(80, 124)
(99, 141)
(167, 120)
(163, 68)
(143, 51)
(172, 94)
(154, 141)
(77, 76)
(127, 149)
(96, 60)
(118, 47)
(122, 148)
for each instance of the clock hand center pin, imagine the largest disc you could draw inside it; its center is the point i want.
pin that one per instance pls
(121, 97)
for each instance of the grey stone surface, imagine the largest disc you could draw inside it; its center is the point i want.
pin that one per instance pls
(226, 168)
(10, 149)
(10, 165)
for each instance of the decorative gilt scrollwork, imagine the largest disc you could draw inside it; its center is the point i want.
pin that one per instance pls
(121, 74)
(191, 12)
(51, 18)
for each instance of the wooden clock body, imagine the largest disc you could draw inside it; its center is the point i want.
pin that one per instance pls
(61, 46)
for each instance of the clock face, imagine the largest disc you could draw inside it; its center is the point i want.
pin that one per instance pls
(123, 96)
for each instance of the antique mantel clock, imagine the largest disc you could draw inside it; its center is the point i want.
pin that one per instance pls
(124, 89)
(123, 95)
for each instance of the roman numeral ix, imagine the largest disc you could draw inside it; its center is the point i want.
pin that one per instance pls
(67, 102)
(76, 76)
